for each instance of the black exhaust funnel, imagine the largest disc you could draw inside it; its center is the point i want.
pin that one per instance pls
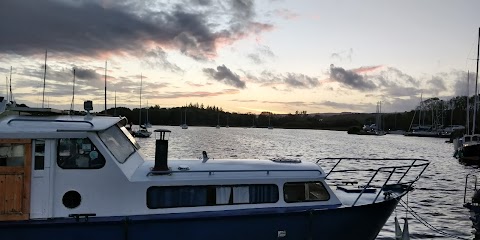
(161, 151)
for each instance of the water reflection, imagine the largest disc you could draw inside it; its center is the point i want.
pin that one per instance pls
(438, 197)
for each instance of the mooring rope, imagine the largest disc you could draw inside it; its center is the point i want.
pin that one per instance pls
(425, 223)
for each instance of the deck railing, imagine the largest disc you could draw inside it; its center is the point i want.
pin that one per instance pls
(394, 171)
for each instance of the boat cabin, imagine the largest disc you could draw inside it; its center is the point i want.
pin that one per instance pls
(60, 166)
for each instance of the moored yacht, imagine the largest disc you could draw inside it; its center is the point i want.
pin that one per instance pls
(83, 177)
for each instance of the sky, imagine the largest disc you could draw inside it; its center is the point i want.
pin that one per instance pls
(243, 56)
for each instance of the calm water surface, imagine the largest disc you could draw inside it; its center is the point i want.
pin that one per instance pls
(438, 195)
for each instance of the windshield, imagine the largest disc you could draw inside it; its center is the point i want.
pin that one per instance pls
(119, 143)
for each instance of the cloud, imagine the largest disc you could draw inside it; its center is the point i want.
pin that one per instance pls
(225, 75)
(437, 85)
(198, 94)
(261, 55)
(300, 80)
(343, 55)
(460, 86)
(285, 14)
(351, 79)
(157, 58)
(91, 28)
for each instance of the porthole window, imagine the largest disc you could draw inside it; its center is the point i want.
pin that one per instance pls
(78, 153)
(71, 199)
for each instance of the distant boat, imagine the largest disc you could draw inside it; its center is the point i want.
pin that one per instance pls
(467, 149)
(269, 125)
(218, 121)
(376, 128)
(184, 125)
(142, 130)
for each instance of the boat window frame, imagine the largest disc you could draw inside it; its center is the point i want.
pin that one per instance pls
(211, 195)
(128, 138)
(305, 184)
(99, 155)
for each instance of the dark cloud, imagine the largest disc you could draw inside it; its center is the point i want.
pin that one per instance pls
(300, 80)
(199, 94)
(437, 85)
(351, 79)
(87, 74)
(225, 75)
(289, 80)
(89, 29)
(157, 58)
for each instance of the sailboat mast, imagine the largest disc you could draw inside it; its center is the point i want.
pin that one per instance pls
(44, 77)
(140, 111)
(72, 106)
(115, 108)
(105, 87)
(6, 86)
(11, 95)
(476, 83)
(468, 102)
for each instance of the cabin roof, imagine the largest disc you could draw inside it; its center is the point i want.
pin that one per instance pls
(231, 169)
(59, 123)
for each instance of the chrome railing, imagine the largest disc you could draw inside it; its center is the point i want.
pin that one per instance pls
(385, 171)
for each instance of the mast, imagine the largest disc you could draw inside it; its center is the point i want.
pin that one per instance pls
(72, 105)
(6, 86)
(115, 109)
(11, 95)
(468, 102)
(140, 112)
(476, 83)
(105, 87)
(44, 77)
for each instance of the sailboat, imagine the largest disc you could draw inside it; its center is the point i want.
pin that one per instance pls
(227, 126)
(467, 148)
(142, 131)
(218, 121)
(376, 128)
(184, 125)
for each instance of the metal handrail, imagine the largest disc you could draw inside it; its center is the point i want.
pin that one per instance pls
(212, 172)
(48, 120)
(388, 169)
(466, 184)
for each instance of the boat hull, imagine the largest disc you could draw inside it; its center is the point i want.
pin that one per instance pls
(470, 154)
(359, 222)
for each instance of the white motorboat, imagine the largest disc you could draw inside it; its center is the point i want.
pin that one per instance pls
(83, 177)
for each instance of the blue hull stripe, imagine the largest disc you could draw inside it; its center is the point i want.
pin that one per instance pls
(360, 222)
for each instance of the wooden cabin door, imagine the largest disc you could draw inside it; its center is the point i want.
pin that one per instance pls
(15, 174)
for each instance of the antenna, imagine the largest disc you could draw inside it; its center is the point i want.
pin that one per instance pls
(72, 105)
(105, 87)
(44, 77)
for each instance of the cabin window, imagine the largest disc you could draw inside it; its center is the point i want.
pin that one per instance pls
(78, 153)
(117, 143)
(12, 154)
(305, 192)
(195, 196)
(39, 163)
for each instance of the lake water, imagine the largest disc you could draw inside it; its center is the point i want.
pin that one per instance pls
(438, 195)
